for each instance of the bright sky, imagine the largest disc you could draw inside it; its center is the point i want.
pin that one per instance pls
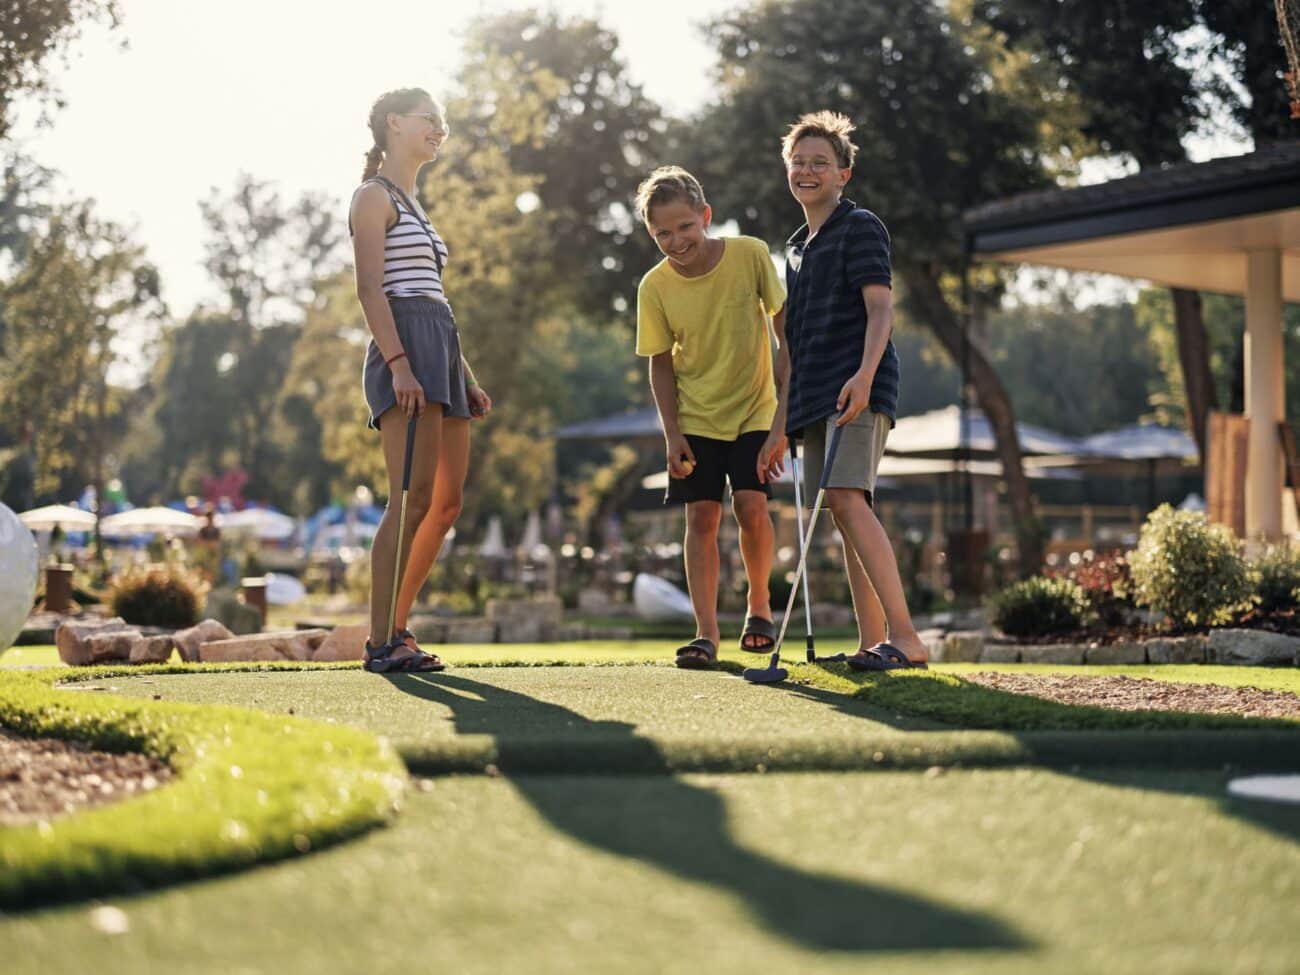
(281, 88)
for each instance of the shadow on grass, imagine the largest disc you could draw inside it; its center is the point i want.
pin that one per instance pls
(681, 828)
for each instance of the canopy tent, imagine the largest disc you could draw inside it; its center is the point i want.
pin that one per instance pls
(1229, 225)
(943, 433)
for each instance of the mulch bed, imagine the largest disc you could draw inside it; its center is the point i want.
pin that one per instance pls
(1140, 694)
(44, 777)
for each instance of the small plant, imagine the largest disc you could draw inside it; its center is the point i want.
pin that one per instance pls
(1277, 573)
(1106, 581)
(158, 595)
(1039, 607)
(1190, 570)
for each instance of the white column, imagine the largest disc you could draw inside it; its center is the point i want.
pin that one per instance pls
(1265, 393)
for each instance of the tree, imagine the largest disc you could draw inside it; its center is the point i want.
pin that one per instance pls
(947, 118)
(82, 285)
(34, 32)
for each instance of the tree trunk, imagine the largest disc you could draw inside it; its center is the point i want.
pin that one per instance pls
(1194, 358)
(923, 290)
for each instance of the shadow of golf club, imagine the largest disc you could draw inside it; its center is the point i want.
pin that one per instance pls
(682, 828)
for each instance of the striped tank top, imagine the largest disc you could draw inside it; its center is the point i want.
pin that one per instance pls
(414, 253)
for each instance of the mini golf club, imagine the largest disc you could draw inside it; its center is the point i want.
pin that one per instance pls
(774, 673)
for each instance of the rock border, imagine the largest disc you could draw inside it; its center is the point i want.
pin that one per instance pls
(1231, 646)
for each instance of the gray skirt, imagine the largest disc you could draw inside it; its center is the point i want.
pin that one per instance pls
(432, 344)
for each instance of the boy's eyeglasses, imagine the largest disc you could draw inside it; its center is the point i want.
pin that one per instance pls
(818, 166)
(435, 120)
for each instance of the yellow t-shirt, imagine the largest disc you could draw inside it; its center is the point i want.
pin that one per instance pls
(717, 329)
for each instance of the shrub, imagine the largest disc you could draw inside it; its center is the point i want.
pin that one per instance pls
(1106, 583)
(158, 595)
(1277, 573)
(1188, 569)
(1039, 607)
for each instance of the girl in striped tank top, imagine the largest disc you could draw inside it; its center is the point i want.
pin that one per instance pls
(414, 370)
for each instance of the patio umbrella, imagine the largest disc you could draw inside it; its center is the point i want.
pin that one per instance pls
(263, 523)
(65, 516)
(939, 433)
(149, 521)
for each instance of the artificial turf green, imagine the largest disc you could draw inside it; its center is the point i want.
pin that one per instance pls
(897, 873)
(250, 787)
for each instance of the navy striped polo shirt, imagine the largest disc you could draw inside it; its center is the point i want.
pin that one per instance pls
(826, 320)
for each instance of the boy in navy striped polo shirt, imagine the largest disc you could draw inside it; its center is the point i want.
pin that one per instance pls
(837, 367)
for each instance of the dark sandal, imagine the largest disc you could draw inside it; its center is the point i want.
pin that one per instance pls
(380, 660)
(407, 637)
(688, 656)
(883, 656)
(759, 627)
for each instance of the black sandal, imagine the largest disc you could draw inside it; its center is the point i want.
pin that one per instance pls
(884, 656)
(408, 638)
(759, 627)
(688, 656)
(380, 660)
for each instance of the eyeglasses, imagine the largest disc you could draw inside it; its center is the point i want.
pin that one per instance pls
(817, 165)
(436, 121)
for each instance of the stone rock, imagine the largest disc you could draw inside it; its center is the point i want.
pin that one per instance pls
(1053, 653)
(206, 631)
(344, 643)
(113, 647)
(471, 630)
(151, 650)
(1000, 653)
(428, 629)
(240, 618)
(571, 632)
(1258, 647)
(540, 610)
(1116, 653)
(71, 638)
(963, 647)
(1177, 650)
(285, 645)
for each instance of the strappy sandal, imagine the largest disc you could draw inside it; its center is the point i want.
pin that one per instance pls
(407, 637)
(688, 656)
(380, 660)
(757, 626)
(884, 656)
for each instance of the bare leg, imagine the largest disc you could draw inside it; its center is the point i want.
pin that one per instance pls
(863, 533)
(757, 541)
(702, 520)
(866, 604)
(448, 494)
(383, 549)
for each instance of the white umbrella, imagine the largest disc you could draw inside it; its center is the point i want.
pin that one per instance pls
(64, 515)
(149, 521)
(264, 524)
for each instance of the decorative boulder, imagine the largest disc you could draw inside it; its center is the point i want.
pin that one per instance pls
(286, 645)
(151, 650)
(343, 643)
(71, 638)
(238, 617)
(188, 641)
(1258, 647)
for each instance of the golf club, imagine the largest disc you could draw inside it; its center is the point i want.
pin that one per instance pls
(401, 525)
(773, 673)
(811, 645)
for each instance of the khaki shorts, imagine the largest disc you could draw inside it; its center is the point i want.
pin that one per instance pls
(862, 444)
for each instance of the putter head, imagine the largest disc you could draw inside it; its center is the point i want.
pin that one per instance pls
(771, 674)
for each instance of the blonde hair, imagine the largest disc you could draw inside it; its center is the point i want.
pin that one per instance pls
(831, 126)
(666, 184)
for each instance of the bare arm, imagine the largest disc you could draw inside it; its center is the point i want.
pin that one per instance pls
(855, 396)
(663, 386)
(771, 456)
(370, 212)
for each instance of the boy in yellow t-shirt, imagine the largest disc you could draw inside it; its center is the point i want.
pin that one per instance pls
(704, 320)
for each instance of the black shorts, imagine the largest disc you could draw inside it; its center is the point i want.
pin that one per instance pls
(716, 462)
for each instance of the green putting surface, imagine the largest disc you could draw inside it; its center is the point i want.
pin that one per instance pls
(985, 871)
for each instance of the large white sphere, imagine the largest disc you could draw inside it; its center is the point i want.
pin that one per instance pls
(19, 564)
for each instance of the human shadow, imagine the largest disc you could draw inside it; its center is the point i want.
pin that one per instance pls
(682, 828)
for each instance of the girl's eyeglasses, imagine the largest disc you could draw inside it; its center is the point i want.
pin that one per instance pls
(435, 120)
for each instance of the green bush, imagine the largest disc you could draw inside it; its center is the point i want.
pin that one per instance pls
(158, 595)
(1106, 582)
(1277, 574)
(1190, 570)
(1039, 607)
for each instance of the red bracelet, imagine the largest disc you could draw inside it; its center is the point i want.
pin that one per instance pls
(400, 355)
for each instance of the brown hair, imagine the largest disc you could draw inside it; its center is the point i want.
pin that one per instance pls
(831, 126)
(399, 100)
(666, 184)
